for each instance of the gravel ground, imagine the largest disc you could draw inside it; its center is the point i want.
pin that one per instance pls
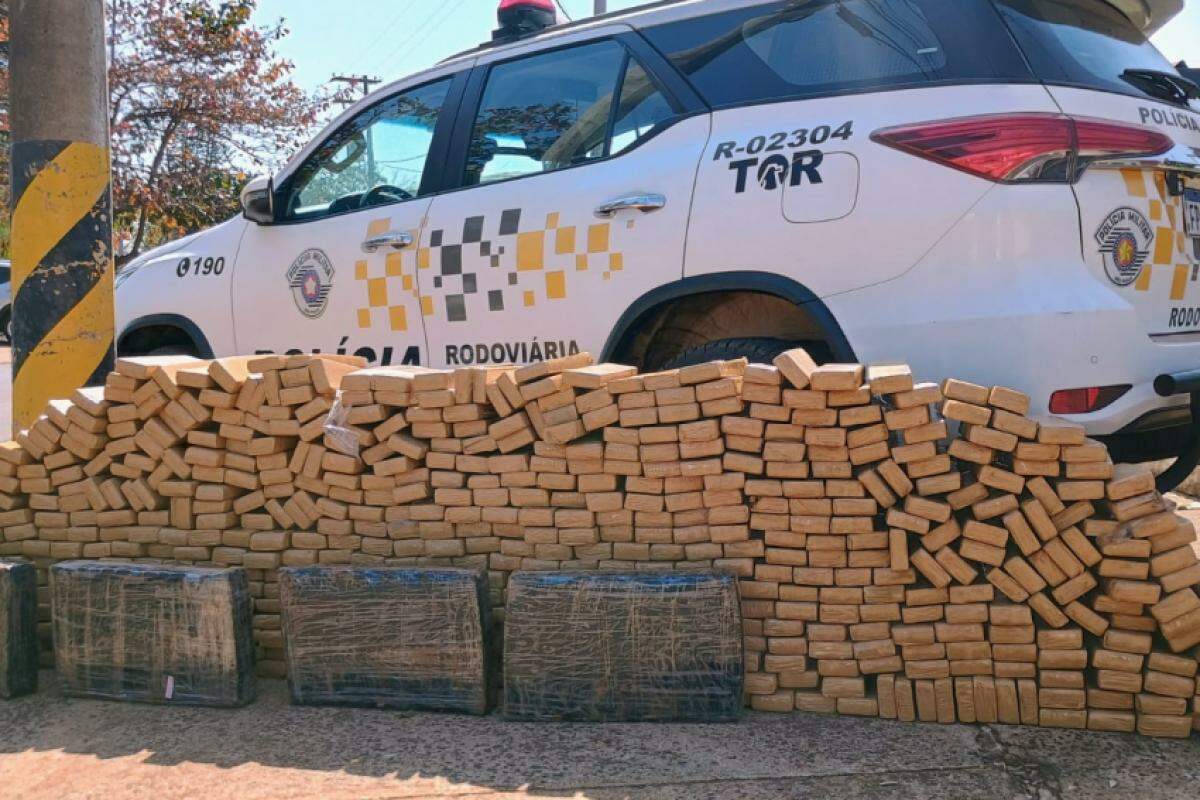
(57, 747)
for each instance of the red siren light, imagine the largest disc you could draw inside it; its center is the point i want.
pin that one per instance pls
(521, 18)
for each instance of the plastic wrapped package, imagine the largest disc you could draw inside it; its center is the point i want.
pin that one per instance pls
(18, 629)
(153, 633)
(390, 637)
(339, 436)
(622, 646)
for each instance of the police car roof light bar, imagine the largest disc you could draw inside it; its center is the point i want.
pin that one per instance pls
(521, 18)
(1024, 148)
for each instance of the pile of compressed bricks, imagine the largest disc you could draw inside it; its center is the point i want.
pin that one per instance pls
(925, 550)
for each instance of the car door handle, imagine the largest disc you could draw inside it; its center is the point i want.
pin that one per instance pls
(392, 239)
(639, 202)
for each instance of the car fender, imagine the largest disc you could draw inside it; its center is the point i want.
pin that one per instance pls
(188, 280)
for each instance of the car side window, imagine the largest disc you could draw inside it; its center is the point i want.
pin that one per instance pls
(554, 110)
(641, 110)
(376, 158)
(815, 48)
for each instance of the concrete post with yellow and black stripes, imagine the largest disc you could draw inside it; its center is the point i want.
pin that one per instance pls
(62, 259)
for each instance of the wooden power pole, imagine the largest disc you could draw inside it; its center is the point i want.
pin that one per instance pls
(366, 82)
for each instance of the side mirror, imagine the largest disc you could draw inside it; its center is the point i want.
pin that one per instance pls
(257, 200)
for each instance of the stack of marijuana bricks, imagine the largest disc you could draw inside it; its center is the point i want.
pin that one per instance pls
(919, 551)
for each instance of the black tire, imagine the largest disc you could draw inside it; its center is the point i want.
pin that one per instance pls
(172, 350)
(756, 350)
(6, 325)
(1187, 461)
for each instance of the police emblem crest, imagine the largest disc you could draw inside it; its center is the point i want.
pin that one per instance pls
(311, 280)
(1125, 238)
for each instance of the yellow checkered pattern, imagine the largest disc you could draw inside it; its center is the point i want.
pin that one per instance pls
(385, 291)
(1170, 243)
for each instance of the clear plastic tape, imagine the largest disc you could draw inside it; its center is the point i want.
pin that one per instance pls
(338, 434)
(622, 646)
(153, 634)
(388, 637)
(18, 629)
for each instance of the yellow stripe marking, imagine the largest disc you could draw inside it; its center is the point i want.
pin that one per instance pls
(1179, 282)
(1134, 184)
(67, 356)
(60, 195)
(1142, 284)
(1164, 246)
(556, 285)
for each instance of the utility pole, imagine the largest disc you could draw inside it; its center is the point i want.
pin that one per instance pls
(62, 259)
(355, 81)
(600, 7)
(366, 83)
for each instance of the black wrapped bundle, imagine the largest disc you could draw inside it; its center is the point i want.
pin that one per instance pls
(18, 629)
(153, 634)
(389, 637)
(605, 647)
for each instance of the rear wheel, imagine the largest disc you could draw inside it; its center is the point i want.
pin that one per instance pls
(757, 350)
(1188, 459)
(172, 350)
(6, 321)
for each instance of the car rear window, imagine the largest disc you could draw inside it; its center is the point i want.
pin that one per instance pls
(822, 47)
(1085, 43)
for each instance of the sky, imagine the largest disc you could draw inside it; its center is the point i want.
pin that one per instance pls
(389, 39)
(386, 39)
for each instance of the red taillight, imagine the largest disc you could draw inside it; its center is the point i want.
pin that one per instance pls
(1098, 139)
(1085, 401)
(1023, 148)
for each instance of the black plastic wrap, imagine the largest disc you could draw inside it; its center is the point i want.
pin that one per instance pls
(623, 646)
(153, 633)
(389, 637)
(18, 629)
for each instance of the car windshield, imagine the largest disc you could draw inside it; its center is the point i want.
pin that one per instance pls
(378, 157)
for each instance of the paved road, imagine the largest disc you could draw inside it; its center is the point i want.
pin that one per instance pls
(56, 747)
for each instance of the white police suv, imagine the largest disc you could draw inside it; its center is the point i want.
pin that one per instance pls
(1006, 190)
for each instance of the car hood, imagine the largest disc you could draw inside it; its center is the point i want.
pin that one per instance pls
(155, 256)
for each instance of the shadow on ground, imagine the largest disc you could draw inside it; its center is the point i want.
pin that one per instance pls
(64, 747)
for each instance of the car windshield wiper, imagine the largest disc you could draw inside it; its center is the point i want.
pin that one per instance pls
(1171, 87)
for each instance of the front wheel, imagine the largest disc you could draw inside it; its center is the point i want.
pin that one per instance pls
(6, 321)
